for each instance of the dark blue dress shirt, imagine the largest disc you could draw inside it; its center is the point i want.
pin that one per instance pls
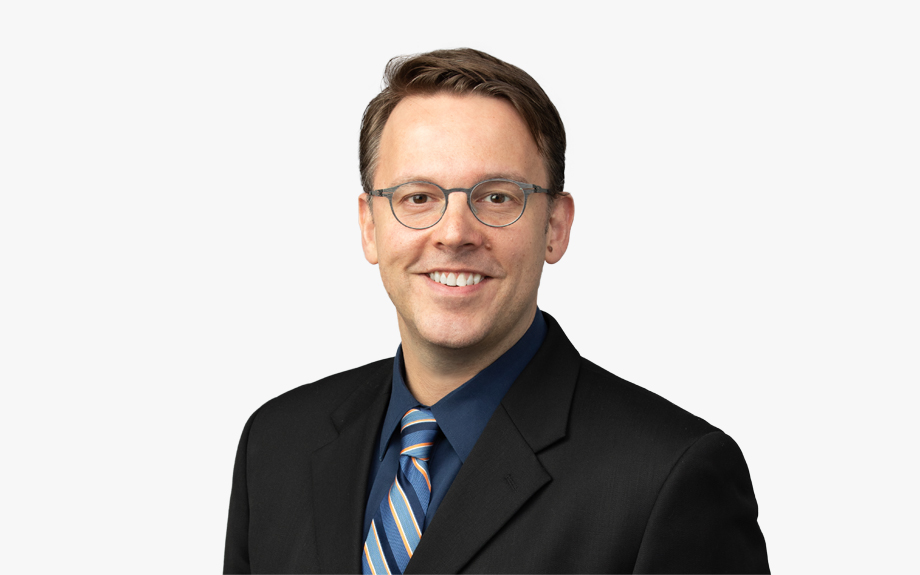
(461, 415)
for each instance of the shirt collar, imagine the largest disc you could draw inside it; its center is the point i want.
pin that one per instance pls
(463, 413)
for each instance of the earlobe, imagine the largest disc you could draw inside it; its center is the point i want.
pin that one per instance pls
(368, 230)
(560, 226)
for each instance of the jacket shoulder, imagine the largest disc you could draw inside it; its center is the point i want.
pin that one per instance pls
(331, 390)
(633, 413)
(307, 411)
(691, 501)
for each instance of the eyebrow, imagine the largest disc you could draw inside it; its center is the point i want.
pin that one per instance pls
(489, 176)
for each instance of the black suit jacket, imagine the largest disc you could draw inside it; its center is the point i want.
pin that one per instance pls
(577, 471)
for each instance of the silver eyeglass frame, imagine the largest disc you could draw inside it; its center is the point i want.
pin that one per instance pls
(528, 189)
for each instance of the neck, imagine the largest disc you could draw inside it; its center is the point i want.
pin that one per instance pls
(433, 371)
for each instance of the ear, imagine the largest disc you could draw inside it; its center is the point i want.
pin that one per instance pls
(559, 227)
(368, 230)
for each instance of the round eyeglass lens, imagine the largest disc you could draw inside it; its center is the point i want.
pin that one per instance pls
(418, 204)
(497, 202)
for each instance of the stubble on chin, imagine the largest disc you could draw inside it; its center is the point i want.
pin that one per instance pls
(429, 330)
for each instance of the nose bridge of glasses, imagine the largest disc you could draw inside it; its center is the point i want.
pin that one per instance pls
(448, 191)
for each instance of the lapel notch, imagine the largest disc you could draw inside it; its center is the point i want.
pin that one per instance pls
(340, 470)
(540, 400)
(499, 476)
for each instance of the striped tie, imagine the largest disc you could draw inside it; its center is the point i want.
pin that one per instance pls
(397, 527)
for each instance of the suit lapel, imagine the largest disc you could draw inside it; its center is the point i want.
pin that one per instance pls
(340, 470)
(498, 477)
(503, 471)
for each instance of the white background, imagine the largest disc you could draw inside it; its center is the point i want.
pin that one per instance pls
(179, 244)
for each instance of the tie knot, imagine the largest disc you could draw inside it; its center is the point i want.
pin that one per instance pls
(417, 431)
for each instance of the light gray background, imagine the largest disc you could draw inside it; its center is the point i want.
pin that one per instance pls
(179, 244)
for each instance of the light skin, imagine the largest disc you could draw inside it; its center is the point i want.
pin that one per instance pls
(449, 334)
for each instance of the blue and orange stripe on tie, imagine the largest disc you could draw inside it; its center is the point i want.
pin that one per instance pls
(397, 527)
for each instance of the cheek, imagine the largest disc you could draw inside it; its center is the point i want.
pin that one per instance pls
(397, 249)
(526, 256)
(389, 240)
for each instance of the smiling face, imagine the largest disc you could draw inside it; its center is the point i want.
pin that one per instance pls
(458, 141)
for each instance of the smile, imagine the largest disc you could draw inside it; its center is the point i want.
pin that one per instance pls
(456, 280)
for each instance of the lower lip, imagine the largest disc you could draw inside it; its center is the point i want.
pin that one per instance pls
(458, 290)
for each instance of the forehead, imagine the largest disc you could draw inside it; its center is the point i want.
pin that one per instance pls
(456, 141)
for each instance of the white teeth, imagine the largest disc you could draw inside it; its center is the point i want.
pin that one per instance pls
(456, 280)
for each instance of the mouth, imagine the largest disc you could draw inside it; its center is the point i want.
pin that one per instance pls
(454, 279)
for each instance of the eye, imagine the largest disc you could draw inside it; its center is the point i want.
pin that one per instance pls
(497, 195)
(418, 196)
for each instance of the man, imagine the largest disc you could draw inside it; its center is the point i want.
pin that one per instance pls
(487, 444)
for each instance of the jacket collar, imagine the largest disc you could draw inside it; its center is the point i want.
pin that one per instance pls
(340, 470)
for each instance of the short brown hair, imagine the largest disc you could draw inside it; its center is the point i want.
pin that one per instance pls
(464, 71)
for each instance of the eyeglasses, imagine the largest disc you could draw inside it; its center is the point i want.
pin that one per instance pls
(496, 203)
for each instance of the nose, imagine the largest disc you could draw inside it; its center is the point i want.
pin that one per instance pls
(458, 227)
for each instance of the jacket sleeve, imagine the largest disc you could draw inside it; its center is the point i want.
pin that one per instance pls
(705, 517)
(236, 549)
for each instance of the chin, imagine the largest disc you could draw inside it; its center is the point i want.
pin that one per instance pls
(451, 334)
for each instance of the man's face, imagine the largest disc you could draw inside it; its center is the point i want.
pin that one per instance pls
(458, 141)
